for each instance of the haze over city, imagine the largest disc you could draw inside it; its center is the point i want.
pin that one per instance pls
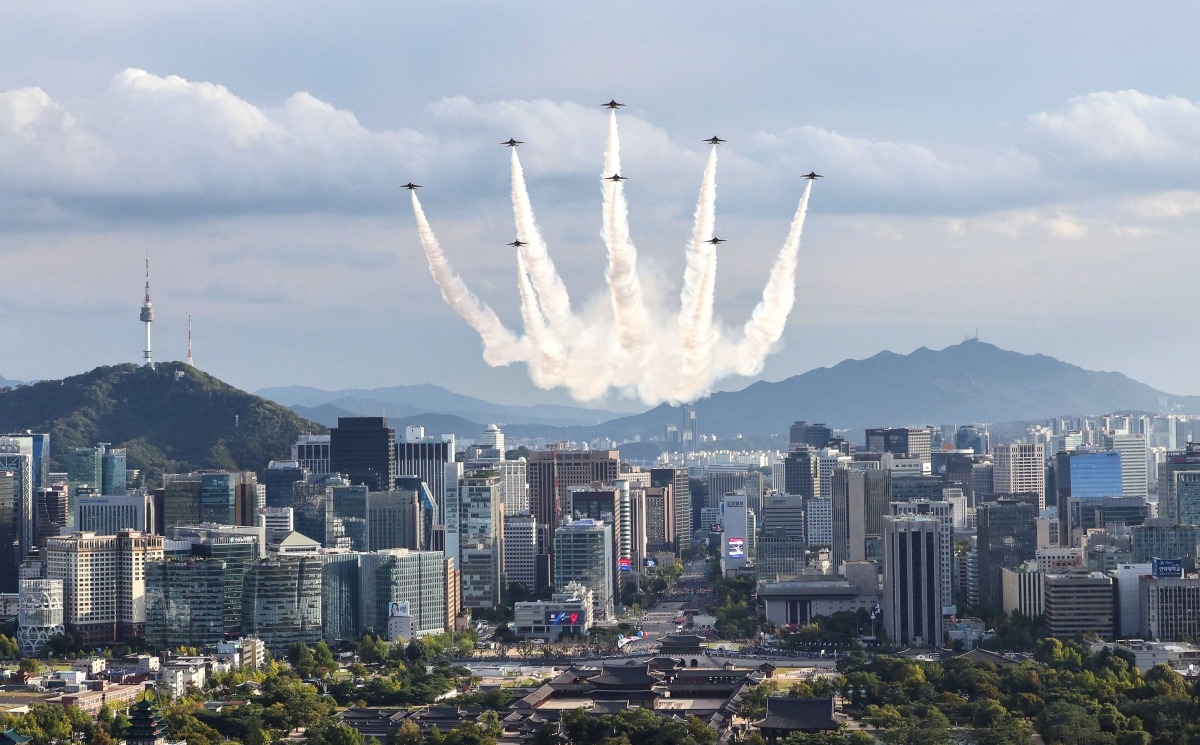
(1024, 171)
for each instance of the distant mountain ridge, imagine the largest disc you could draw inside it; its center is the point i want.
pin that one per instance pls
(171, 418)
(409, 400)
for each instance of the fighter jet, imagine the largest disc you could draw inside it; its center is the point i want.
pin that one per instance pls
(410, 186)
(715, 240)
(616, 177)
(812, 175)
(714, 140)
(512, 143)
(517, 244)
(612, 104)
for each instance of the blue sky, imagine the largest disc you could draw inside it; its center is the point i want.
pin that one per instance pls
(1025, 169)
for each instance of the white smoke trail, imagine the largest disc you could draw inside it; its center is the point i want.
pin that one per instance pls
(770, 315)
(545, 366)
(696, 298)
(551, 292)
(500, 346)
(625, 288)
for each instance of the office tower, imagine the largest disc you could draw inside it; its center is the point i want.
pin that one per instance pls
(828, 461)
(784, 513)
(521, 551)
(104, 586)
(943, 512)
(724, 480)
(553, 472)
(1006, 532)
(312, 510)
(1161, 538)
(912, 581)
(903, 441)
(37, 447)
(956, 467)
(475, 538)
(426, 457)
(800, 472)
(49, 513)
(492, 443)
(432, 529)
(113, 467)
(689, 432)
(185, 602)
(811, 435)
(612, 505)
(907, 487)
(1022, 590)
(970, 437)
(10, 530)
(39, 614)
(279, 482)
(1134, 473)
(16, 457)
(237, 546)
(1020, 469)
(276, 523)
(106, 515)
(514, 485)
(348, 527)
(660, 518)
(281, 601)
(858, 506)
(583, 553)
(394, 520)
(249, 497)
(311, 452)
(363, 448)
(1079, 602)
(681, 493)
(1087, 474)
(1185, 488)
(818, 520)
(341, 611)
(181, 499)
(1175, 461)
(983, 481)
(738, 535)
(85, 469)
(217, 498)
(1169, 606)
(635, 496)
(401, 576)
(966, 578)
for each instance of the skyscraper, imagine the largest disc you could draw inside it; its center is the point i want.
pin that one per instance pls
(912, 581)
(1020, 468)
(113, 467)
(943, 512)
(475, 538)
(907, 441)
(583, 553)
(553, 472)
(394, 520)
(800, 472)
(281, 601)
(16, 527)
(681, 487)
(812, 435)
(426, 457)
(521, 551)
(1007, 537)
(363, 449)
(859, 504)
(279, 482)
(311, 452)
(1134, 474)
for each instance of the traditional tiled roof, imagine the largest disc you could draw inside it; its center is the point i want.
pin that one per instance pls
(798, 714)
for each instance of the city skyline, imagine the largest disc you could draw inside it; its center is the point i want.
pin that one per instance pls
(971, 169)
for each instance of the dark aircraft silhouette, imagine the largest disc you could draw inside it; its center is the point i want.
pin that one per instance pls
(517, 244)
(714, 140)
(812, 175)
(715, 240)
(616, 177)
(512, 143)
(410, 186)
(612, 104)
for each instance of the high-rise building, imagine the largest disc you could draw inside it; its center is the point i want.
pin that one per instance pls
(681, 492)
(1020, 468)
(1006, 537)
(85, 469)
(800, 472)
(341, 609)
(943, 512)
(1087, 474)
(553, 472)
(218, 498)
(723, 479)
(475, 537)
(348, 525)
(185, 602)
(237, 546)
(108, 514)
(1169, 607)
(521, 551)
(784, 514)
(738, 537)
(828, 460)
(1022, 589)
(859, 503)
(1161, 538)
(394, 520)
(904, 441)
(1175, 462)
(583, 553)
(281, 601)
(402, 576)
(1134, 473)
(279, 482)
(104, 585)
(39, 615)
(660, 518)
(37, 447)
(970, 437)
(492, 442)
(514, 485)
(818, 520)
(113, 468)
(363, 449)
(16, 504)
(311, 452)
(49, 513)
(181, 500)
(10, 530)
(426, 457)
(912, 581)
(811, 435)
(1079, 602)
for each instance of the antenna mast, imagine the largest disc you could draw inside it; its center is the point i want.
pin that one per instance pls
(189, 359)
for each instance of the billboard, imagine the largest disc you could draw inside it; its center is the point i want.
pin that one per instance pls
(1166, 567)
(625, 565)
(736, 547)
(563, 618)
(398, 608)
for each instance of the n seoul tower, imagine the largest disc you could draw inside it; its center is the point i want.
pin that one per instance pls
(148, 316)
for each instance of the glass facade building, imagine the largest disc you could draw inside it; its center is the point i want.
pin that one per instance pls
(281, 601)
(185, 602)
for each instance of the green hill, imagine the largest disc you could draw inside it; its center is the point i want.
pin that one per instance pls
(173, 418)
